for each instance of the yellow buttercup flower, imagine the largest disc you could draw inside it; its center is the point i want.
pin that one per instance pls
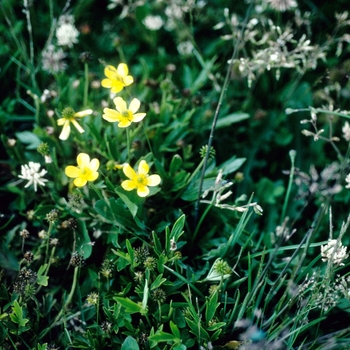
(85, 171)
(125, 116)
(141, 180)
(117, 78)
(69, 116)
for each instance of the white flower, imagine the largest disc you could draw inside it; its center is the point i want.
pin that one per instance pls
(185, 48)
(153, 22)
(346, 131)
(347, 179)
(334, 251)
(282, 5)
(67, 34)
(31, 173)
(52, 60)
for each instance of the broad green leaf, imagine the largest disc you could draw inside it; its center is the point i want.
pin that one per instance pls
(130, 344)
(42, 280)
(114, 212)
(157, 282)
(231, 165)
(17, 315)
(130, 198)
(175, 330)
(31, 140)
(230, 119)
(211, 306)
(161, 336)
(176, 231)
(130, 306)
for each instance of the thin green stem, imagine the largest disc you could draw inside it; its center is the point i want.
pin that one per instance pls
(128, 143)
(98, 192)
(216, 115)
(147, 139)
(292, 155)
(86, 83)
(200, 221)
(48, 242)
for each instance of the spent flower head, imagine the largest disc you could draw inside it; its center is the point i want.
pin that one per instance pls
(140, 180)
(122, 114)
(66, 32)
(117, 78)
(85, 171)
(69, 116)
(32, 173)
(334, 251)
(53, 60)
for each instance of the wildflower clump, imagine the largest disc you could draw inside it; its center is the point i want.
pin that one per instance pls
(85, 171)
(140, 180)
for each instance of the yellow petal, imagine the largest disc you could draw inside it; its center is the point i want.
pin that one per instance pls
(129, 171)
(72, 171)
(117, 86)
(93, 176)
(138, 117)
(83, 113)
(124, 124)
(128, 80)
(142, 191)
(94, 164)
(80, 182)
(123, 69)
(61, 121)
(65, 131)
(134, 105)
(78, 127)
(107, 83)
(153, 180)
(110, 72)
(143, 167)
(111, 115)
(120, 104)
(83, 160)
(128, 185)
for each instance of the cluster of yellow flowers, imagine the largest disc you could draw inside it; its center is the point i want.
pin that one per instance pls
(87, 170)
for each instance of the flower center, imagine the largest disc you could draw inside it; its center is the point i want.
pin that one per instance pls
(141, 180)
(85, 172)
(127, 115)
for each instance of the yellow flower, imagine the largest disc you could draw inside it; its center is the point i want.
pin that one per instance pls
(118, 78)
(85, 171)
(68, 116)
(125, 116)
(139, 180)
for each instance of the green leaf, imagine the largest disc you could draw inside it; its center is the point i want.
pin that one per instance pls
(177, 229)
(42, 280)
(130, 306)
(130, 198)
(157, 282)
(211, 306)
(31, 140)
(130, 344)
(231, 165)
(83, 239)
(114, 212)
(161, 336)
(175, 330)
(230, 119)
(17, 315)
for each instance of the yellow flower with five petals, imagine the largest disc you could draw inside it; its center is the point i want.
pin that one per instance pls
(69, 116)
(125, 116)
(117, 78)
(85, 171)
(140, 180)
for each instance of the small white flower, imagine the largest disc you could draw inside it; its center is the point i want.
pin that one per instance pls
(31, 173)
(67, 34)
(153, 22)
(347, 179)
(185, 48)
(52, 60)
(334, 251)
(346, 131)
